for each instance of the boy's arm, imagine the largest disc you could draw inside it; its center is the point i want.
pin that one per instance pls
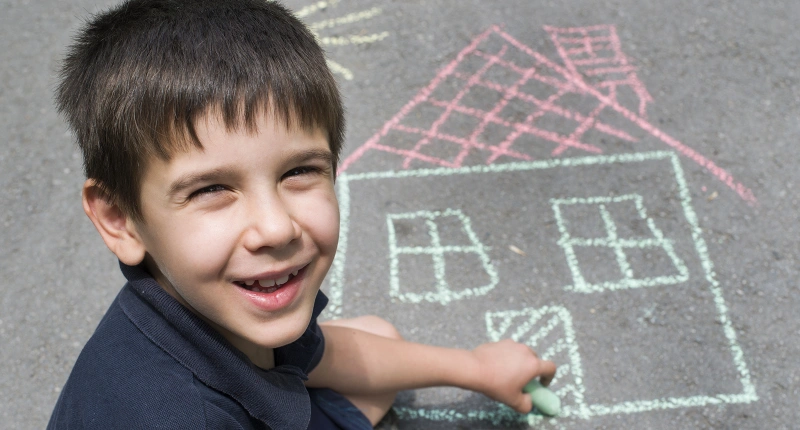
(357, 362)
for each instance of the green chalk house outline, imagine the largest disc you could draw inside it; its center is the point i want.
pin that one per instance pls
(437, 251)
(503, 414)
(619, 245)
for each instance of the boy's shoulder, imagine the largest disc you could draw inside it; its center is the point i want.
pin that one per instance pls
(153, 364)
(121, 379)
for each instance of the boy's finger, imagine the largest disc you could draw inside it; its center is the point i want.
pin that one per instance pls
(524, 405)
(547, 371)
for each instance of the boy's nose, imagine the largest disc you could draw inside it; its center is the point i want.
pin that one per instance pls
(272, 226)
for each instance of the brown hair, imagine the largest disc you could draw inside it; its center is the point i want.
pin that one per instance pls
(140, 75)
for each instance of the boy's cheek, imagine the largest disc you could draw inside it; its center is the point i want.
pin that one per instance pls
(180, 244)
(325, 223)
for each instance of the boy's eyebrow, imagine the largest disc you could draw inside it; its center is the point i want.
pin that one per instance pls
(188, 180)
(312, 154)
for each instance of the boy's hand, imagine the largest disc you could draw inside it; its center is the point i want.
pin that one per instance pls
(504, 369)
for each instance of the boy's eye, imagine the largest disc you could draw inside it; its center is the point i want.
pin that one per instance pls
(302, 170)
(207, 190)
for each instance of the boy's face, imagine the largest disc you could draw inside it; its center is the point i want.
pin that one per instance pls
(243, 231)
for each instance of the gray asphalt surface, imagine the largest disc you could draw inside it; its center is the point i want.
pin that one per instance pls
(690, 323)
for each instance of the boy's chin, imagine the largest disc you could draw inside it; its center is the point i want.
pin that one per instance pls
(289, 331)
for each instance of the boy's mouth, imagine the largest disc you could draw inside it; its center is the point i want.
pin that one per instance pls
(266, 285)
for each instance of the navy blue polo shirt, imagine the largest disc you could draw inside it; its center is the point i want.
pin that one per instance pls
(154, 364)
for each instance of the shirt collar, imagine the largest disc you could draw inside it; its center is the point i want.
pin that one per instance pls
(276, 396)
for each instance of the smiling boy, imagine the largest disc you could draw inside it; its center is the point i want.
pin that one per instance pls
(210, 133)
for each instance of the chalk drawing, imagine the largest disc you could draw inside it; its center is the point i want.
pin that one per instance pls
(353, 39)
(346, 19)
(617, 244)
(524, 324)
(548, 331)
(442, 293)
(596, 52)
(332, 23)
(594, 69)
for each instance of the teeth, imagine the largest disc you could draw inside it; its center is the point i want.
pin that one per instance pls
(268, 285)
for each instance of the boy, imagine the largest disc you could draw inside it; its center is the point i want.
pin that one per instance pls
(210, 132)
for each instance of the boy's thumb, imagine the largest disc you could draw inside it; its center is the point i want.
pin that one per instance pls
(523, 404)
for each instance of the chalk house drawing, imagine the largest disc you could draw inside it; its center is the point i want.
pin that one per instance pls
(549, 331)
(621, 246)
(351, 39)
(500, 101)
(439, 290)
(510, 323)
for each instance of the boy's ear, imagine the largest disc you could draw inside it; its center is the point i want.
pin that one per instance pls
(115, 227)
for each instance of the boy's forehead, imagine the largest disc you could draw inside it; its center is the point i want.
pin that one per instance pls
(212, 131)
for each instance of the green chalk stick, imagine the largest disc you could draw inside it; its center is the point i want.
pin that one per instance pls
(543, 399)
